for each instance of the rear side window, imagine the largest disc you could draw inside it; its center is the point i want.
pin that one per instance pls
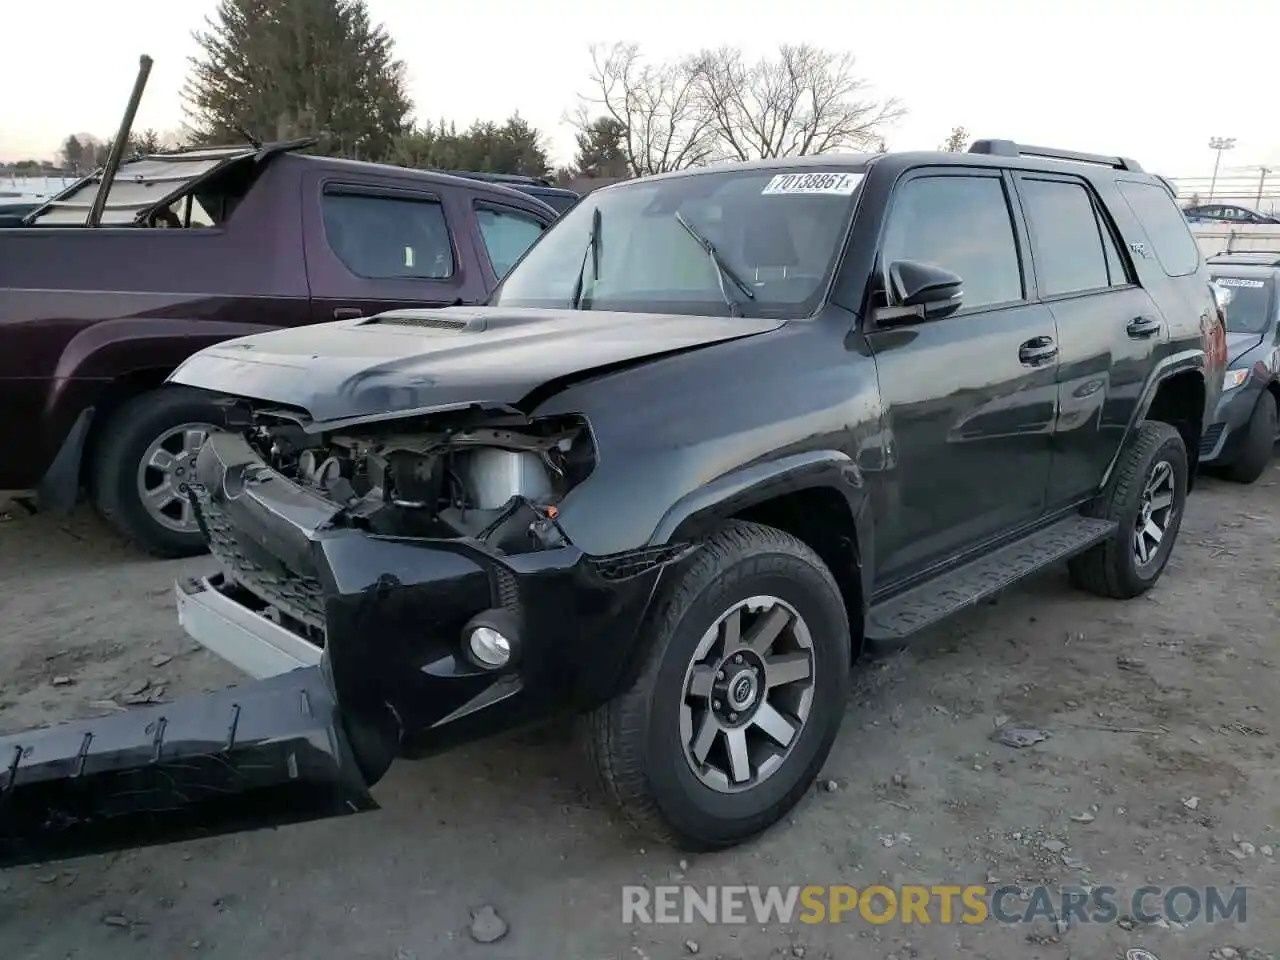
(961, 224)
(507, 234)
(388, 238)
(1165, 226)
(1073, 249)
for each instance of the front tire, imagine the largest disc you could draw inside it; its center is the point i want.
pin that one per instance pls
(1259, 443)
(1145, 497)
(143, 459)
(740, 697)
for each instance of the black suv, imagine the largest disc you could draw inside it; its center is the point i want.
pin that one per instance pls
(1241, 438)
(714, 432)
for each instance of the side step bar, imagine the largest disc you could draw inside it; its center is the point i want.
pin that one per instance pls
(264, 754)
(924, 605)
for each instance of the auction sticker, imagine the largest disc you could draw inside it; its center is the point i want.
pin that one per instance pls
(831, 184)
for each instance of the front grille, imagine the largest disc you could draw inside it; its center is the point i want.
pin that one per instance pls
(1209, 439)
(292, 593)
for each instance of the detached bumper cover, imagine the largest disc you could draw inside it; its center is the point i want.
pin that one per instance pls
(263, 754)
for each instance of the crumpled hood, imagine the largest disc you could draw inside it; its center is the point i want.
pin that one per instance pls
(414, 360)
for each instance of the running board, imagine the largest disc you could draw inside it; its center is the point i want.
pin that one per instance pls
(924, 605)
(263, 754)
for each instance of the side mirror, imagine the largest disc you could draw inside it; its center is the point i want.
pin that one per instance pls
(919, 291)
(922, 284)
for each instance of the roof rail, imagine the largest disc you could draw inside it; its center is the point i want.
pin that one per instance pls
(1247, 257)
(500, 177)
(1009, 148)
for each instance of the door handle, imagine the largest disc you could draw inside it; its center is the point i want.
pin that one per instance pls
(1037, 351)
(347, 313)
(1141, 327)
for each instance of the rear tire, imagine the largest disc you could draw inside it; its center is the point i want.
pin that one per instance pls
(1148, 486)
(118, 476)
(1259, 443)
(648, 744)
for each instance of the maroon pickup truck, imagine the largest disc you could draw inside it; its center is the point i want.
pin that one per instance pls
(190, 249)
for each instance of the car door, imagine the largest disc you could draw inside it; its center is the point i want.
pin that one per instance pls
(375, 246)
(969, 399)
(1108, 326)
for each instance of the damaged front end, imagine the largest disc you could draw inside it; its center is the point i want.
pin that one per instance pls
(420, 560)
(396, 587)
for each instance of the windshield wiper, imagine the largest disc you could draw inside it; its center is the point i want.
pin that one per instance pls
(722, 269)
(592, 251)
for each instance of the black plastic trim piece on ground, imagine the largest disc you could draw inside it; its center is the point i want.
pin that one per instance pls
(264, 754)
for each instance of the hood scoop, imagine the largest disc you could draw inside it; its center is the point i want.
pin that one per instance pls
(429, 320)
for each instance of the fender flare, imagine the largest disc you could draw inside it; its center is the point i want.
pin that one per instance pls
(698, 511)
(1183, 362)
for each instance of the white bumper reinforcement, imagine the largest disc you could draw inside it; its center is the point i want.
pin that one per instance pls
(237, 634)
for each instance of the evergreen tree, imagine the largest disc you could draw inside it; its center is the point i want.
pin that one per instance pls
(600, 149)
(274, 69)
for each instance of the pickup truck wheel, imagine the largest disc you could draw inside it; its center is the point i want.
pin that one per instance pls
(740, 697)
(1259, 443)
(1146, 496)
(144, 456)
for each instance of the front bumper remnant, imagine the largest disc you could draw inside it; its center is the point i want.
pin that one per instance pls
(244, 638)
(264, 754)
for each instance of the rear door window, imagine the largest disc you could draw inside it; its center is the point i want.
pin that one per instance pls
(388, 236)
(1072, 246)
(506, 233)
(1166, 228)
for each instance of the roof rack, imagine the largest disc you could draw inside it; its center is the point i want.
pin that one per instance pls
(1009, 148)
(1252, 258)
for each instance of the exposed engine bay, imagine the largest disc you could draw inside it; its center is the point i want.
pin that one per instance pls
(491, 477)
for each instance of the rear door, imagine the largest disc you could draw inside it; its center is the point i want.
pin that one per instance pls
(1109, 328)
(375, 245)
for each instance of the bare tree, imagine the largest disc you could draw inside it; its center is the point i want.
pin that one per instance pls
(658, 105)
(803, 100)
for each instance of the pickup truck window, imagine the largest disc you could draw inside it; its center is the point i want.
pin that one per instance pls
(1073, 251)
(1164, 224)
(780, 234)
(385, 238)
(962, 224)
(507, 234)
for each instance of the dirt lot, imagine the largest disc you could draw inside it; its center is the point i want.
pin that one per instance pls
(1160, 768)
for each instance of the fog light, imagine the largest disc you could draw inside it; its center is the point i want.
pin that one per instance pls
(491, 640)
(489, 647)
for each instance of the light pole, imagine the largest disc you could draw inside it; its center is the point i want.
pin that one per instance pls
(1262, 182)
(1218, 144)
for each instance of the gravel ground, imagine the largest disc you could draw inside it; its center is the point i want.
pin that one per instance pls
(1160, 769)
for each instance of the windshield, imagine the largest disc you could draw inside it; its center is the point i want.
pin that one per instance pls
(1248, 303)
(779, 233)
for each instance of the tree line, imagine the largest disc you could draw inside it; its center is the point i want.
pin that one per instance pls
(279, 69)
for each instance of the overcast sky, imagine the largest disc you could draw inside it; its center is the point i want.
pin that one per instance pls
(1152, 80)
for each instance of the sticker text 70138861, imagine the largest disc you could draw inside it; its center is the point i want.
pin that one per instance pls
(832, 184)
